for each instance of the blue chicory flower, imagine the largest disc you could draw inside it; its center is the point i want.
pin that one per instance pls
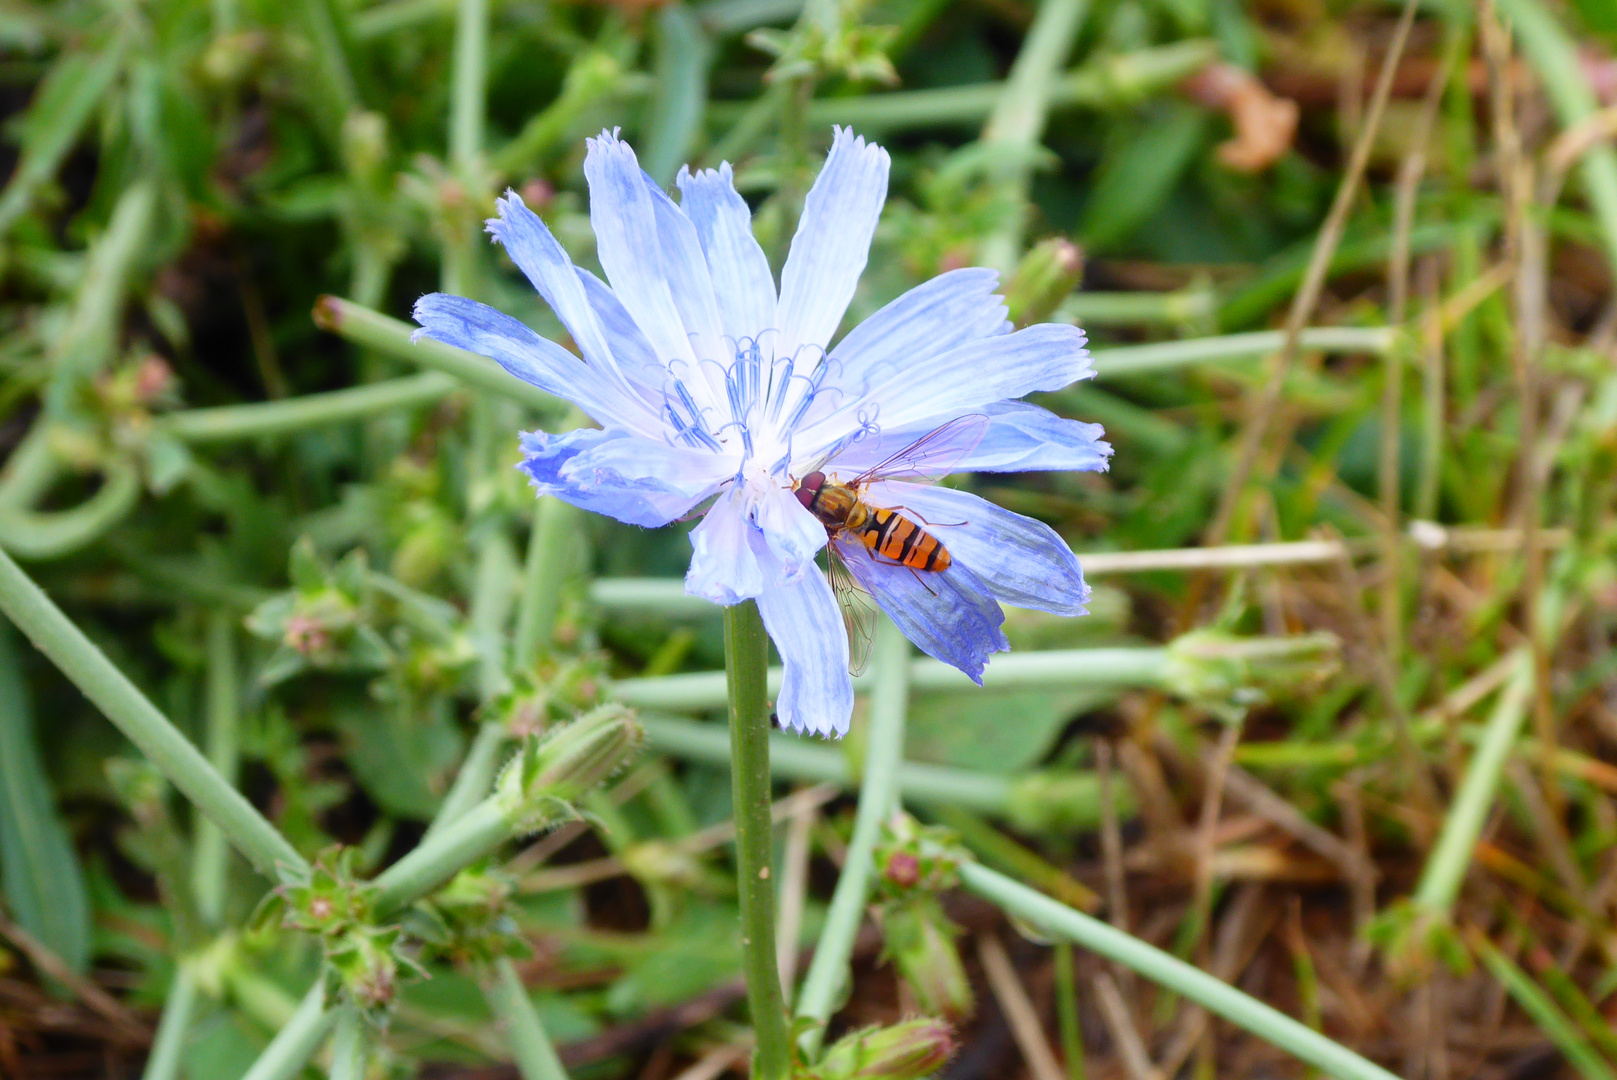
(707, 382)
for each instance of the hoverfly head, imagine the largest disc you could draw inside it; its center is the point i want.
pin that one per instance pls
(809, 487)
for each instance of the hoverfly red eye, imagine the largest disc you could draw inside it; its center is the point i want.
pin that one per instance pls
(809, 487)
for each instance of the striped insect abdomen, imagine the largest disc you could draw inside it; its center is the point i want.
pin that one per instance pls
(893, 536)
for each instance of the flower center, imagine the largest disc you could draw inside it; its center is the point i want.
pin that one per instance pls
(750, 407)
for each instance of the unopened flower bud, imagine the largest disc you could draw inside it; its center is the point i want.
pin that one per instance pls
(903, 869)
(906, 1051)
(919, 940)
(1045, 277)
(571, 760)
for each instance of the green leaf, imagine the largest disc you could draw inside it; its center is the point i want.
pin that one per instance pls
(1139, 174)
(62, 108)
(993, 731)
(402, 761)
(44, 886)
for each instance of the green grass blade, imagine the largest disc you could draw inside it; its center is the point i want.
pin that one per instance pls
(44, 886)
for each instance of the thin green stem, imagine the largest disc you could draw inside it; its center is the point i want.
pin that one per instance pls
(550, 550)
(878, 798)
(77, 85)
(476, 774)
(441, 855)
(389, 336)
(90, 336)
(1027, 799)
(1016, 125)
(50, 534)
(1446, 866)
(1190, 306)
(1109, 82)
(469, 87)
(164, 746)
(1072, 1032)
(287, 1054)
(746, 650)
(1542, 1008)
(535, 1055)
(1127, 360)
(169, 1043)
(1065, 667)
(467, 105)
(683, 55)
(1168, 971)
(230, 422)
(350, 1048)
(335, 93)
(1554, 56)
(210, 862)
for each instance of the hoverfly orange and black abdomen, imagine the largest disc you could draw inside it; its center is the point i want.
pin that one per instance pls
(888, 533)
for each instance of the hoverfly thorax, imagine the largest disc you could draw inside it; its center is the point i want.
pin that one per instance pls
(837, 506)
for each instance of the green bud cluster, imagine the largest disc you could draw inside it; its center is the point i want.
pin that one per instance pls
(363, 960)
(1227, 674)
(836, 44)
(914, 864)
(324, 621)
(469, 919)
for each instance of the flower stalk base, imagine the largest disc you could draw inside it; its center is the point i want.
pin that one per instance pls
(746, 648)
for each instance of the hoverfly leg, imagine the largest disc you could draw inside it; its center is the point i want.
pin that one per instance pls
(922, 580)
(929, 524)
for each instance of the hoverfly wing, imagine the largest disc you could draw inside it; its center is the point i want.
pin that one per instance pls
(933, 455)
(858, 610)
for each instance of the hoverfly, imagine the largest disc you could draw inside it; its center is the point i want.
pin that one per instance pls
(888, 533)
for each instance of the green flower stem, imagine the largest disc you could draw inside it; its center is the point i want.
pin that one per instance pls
(210, 861)
(336, 95)
(1128, 360)
(684, 55)
(230, 422)
(83, 82)
(1185, 307)
(1446, 866)
(555, 525)
(390, 337)
(550, 548)
(169, 1042)
(472, 782)
(1267, 1023)
(164, 746)
(50, 534)
(1065, 667)
(878, 798)
(746, 651)
(442, 855)
(1560, 1030)
(287, 1054)
(391, 16)
(594, 77)
(349, 1049)
(468, 92)
(535, 1055)
(90, 337)
(1072, 1032)
(1554, 56)
(1026, 798)
(1011, 136)
(1115, 80)
(470, 85)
